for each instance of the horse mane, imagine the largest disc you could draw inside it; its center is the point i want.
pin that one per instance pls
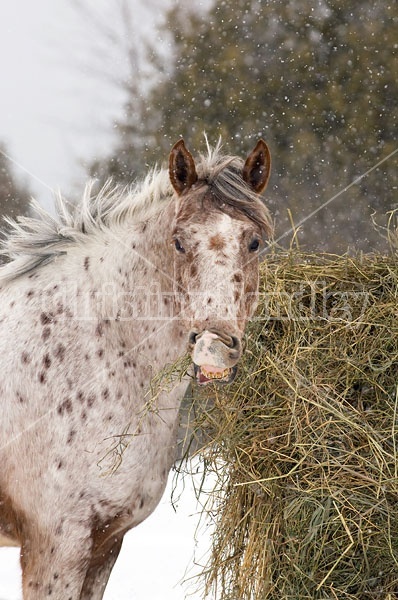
(222, 177)
(31, 242)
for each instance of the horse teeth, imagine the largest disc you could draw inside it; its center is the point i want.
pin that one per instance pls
(215, 375)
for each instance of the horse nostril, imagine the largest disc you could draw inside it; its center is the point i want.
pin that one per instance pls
(192, 338)
(235, 342)
(235, 348)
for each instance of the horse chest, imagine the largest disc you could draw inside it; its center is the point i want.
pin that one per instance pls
(130, 475)
(98, 437)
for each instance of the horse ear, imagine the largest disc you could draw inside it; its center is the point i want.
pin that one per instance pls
(182, 171)
(257, 167)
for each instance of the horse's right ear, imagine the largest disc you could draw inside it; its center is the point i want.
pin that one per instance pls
(182, 171)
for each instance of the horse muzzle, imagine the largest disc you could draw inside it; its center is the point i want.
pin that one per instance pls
(214, 355)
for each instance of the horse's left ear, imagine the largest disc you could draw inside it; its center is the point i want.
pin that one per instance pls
(182, 171)
(257, 167)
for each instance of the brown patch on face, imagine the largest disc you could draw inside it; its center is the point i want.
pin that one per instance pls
(237, 278)
(250, 296)
(250, 288)
(217, 242)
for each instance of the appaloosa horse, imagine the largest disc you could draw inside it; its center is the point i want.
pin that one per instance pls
(93, 304)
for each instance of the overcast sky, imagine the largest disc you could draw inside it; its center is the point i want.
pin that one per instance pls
(55, 110)
(55, 106)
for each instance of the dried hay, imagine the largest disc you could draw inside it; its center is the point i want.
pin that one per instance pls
(305, 442)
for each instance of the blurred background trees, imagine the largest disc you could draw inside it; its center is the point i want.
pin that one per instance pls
(316, 80)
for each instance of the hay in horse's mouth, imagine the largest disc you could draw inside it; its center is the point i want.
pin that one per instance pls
(205, 374)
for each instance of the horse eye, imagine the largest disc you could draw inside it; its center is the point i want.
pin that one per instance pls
(178, 246)
(254, 245)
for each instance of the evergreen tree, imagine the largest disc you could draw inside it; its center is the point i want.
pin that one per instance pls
(318, 82)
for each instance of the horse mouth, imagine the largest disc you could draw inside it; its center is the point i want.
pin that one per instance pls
(206, 374)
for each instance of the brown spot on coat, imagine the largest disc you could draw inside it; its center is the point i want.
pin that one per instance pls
(217, 242)
(59, 352)
(46, 318)
(46, 333)
(65, 406)
(71, 435)
(25, 357)
(46, 361)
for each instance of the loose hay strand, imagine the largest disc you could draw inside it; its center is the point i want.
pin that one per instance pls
(305, 441)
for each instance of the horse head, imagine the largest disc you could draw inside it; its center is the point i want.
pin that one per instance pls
(219, 228)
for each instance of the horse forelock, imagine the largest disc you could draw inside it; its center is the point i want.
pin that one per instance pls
(221, 186)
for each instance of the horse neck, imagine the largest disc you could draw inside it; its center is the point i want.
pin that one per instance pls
(134, 268)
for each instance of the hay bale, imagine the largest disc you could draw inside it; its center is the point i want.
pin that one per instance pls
(305, 442)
